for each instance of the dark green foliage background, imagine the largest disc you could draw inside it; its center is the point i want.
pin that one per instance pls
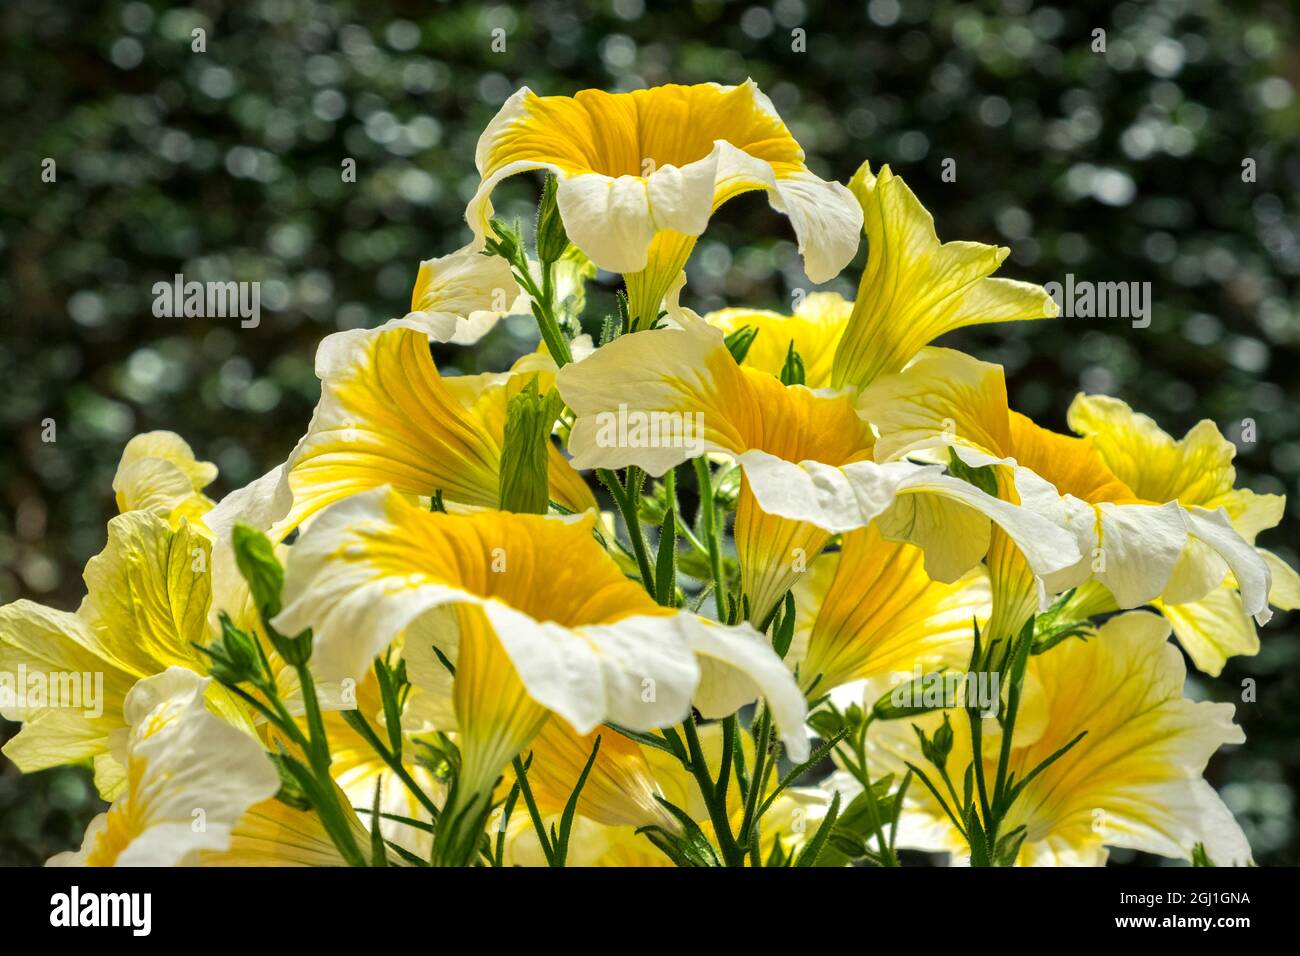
(226, 165)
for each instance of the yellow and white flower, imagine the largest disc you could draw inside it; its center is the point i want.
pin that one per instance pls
(546, 624)
(146, 607)
(914, 288)
(641, 173)
(190, 777)
(1138, 548)
(1135, 780)
(387, 417)
(662, 397)
(1196, 471)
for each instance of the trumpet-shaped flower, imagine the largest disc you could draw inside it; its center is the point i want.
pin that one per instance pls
(659, 398)
(1134, 780)
(387, 417)
(871, 611)
(183, 767)
(159, 473)
(1130, 544)
(1196, 471)
(914, 289)
(146, 607)
(547, 624)
(641, 173)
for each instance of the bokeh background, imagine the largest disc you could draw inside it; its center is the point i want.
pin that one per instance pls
(225, 165)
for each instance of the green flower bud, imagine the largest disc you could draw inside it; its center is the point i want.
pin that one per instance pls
(255, 556)
(793, 372)
(739, 341)
(530, 417)
(552, 239)
(234, 656)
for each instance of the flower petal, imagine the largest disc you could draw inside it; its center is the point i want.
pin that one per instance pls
(914, 289)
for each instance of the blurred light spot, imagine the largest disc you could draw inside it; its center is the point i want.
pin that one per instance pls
(883, 13)
(1202, 329)
(1275, 93)
(913, 145)
(402, 35)
(126, 53)
(217, 82)
(756, 22)
(1247, 354)
(1165, 58)
(618, 51)
(87, 308)
(994, 111)
(1113, 187)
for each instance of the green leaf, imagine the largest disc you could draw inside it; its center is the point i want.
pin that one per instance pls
(783, 634)
(827, 723)
(979, 848)
(291, 791)
(820, 752)
(235, 656)
(561, 842)
(860, 819)
(1019, 788)
(813, 849)
(908, 700)
(505, 241)
(611, 327)
(377, 855)
(1008, 848)
(666, 561)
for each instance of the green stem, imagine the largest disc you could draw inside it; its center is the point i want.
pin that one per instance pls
(763, 741)
(628, 510)
(547, 324)
(732, 855)
(977, 756)
(318, 755)
(704, 478)
(359, 723)
(886, 857)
